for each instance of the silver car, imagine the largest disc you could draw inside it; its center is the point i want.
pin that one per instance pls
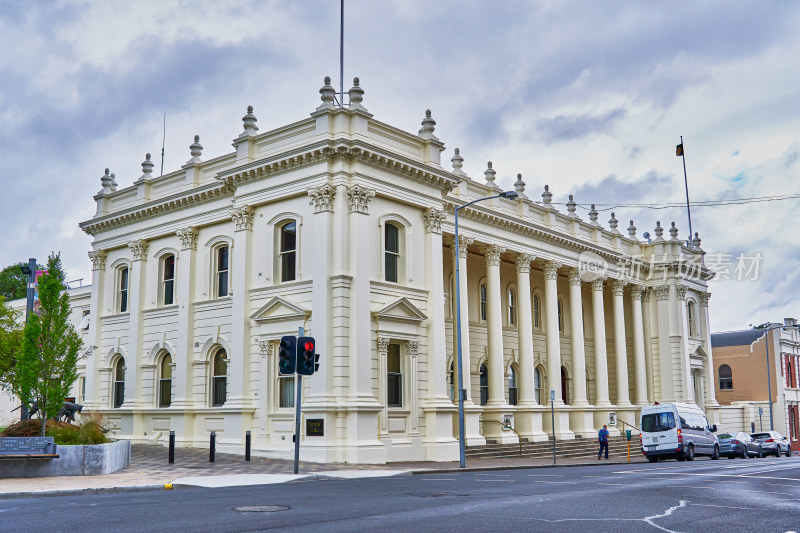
(773, 443)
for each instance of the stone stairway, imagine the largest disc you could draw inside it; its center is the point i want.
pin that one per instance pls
(617, 446)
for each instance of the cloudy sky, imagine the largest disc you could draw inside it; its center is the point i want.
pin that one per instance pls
(589, 97)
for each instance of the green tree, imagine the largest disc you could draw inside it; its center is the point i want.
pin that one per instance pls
(46, 365)
(13, 283)
(10, 339)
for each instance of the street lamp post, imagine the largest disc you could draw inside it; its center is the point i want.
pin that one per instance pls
(462, 446)
(767, 327)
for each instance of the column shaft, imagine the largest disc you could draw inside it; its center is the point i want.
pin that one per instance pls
(640, 375)
(525, 331)
(600, 354)
(578, 349)
(620, 345)
(553, 340)
(494, 318)
(460, 255)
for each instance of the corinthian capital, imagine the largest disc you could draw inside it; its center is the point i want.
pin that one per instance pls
(618, 287)
(492, 253)
(433, 220)
(98, 258)
(139, 249)
(662, 292)
(575, 277)
(461, 249)
(242, 217)
(322, 198)
(551, 270)
(637, 291)
(523, 262)
(680, 291)
(188, 237)
(359, 197)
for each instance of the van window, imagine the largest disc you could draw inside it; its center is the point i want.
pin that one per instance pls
(655, 422)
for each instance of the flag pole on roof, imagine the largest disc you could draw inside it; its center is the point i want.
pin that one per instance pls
(679, 153)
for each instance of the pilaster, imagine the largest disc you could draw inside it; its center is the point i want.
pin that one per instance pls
(92, 398)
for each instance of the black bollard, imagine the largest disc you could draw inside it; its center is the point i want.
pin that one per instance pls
(247, 446)
(212, 446)
(171, 447)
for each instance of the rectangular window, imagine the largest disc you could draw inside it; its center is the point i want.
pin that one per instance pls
(394, 377)
(165, 392)
(392, 252)
(288, 251)
(222, 271)
(169, 280)
(81, 389)
(119, 393)
(123, 290)
(220, 386)
(512, 313)
(286, 391)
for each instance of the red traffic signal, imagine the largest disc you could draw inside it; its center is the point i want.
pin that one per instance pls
(305, 356)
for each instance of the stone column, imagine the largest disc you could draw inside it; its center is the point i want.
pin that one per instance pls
(638, 346)
(135, 358)
(600, 353)
(438, 439)
(93, 397)
(620, 345)
(648, 347)
(711, 405)
(561, 429)
(494, 319)
(182, 379)
(472, 412)
(581, 421)
(668, 393)
(679, 305)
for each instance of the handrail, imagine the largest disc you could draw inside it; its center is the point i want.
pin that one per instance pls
(505, 426)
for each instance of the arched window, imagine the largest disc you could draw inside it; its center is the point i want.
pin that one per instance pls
(512, 386)
(537, 312)
(391, 249)
(122, 287)
(288, 251)
(690, 316)
(537, 385)
(168, 280)
(512, 308)
(483, 302)
(219, 379)
(222, 265)
(484, 381)
(725, 378)
(564, 386)
(119, 382)
(560, 316)
(165, 382)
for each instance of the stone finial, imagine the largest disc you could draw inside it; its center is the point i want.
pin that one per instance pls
(632, 230)
(327, 94)
(356, 95)
(659, 231)
(613, 223)
(428, 126)
(571, 206)
(696, 241)
(147, 168)
(519, 186)
(547, 196)
(593, 214)
(249, 121)
(196, 149)
(673, 232)
(490, 175)
(108, 183)
(458, 162)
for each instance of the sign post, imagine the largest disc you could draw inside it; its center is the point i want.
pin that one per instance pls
(760, 425)
(299, 391)
(553, 421)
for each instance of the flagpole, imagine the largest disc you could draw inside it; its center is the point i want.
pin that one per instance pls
(686, 184)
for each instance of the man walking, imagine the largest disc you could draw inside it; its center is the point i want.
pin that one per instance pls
(602, 438)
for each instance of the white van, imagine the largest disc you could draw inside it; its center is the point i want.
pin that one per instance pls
(676, 430)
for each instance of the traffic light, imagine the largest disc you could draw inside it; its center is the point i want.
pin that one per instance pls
(287, 355)
(306, 355)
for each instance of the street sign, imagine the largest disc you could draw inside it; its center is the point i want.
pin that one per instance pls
(612, 419)
(628, 434)
(760, 411)
(552, 395)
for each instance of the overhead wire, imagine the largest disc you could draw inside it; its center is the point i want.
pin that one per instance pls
(699, 203)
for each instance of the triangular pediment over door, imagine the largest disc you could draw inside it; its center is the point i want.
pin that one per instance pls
(280, 316)
(401, 317)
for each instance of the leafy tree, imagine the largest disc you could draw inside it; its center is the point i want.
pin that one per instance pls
(10, 339)
(13, 283)
(47, 360)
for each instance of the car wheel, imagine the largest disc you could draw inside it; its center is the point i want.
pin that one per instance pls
(653, 459)
(690, 455)
(745, 454)
(760, 453)
(715, 455)
(788, 451)
(777, 451)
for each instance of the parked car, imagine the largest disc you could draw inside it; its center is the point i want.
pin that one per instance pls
(677, 431)
(773, 443)
(739, 445)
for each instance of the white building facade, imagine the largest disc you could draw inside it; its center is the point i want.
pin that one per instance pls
(344, 225)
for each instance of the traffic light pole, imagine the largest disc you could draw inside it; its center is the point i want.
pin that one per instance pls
(299, 391)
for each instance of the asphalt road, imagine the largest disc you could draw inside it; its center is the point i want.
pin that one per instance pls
(759, 495)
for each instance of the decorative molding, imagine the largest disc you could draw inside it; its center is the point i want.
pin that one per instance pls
(359, 197)
(680, 291)
(188, 237)
(322, 197)
(637, 291)
(401, 310)
(280, 309)
(646, 295)
(242, 217)
(597, 284)
(433, 220)
(575, 277)
(551, 270)
(139, 249)
(265, 347)
(618, 287)
(413, 347)
(704, 298)
(383, 344)
(492, 254)
(662, 292)
(523, 263)
(462, 247)
(98, 258)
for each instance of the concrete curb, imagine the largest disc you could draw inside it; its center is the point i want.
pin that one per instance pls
(76, 492)
(514, 467)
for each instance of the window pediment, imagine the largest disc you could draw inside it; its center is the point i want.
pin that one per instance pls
(401, 310)
(278, 309)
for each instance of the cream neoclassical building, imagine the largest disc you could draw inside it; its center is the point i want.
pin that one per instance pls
(344, 225)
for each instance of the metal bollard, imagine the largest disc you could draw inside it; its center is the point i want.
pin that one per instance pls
(212, 446)
(171, 447)
(247, 446)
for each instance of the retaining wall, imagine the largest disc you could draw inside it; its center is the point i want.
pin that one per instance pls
(87, 460)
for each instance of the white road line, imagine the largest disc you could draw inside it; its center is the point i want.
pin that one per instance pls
(768, 470)
(767, 492)
(502, 480)
(690, 487)
(545, 475)
(562, 482)
(723, 506)
(605, 477)
(495, 475)
(784, 485)
(740, 476)
(439, 478)
(622, 484)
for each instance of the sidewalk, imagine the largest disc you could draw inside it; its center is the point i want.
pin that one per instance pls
(149, 469)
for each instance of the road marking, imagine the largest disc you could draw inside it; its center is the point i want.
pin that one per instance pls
(606, 477)
(495, 475)
(767, 492)
(545, 475)
(690, 487)
(439, 478)
(784, 485)
(503, 480)
(563, 482)
(768, 470)
(723, 506)
(740, 476)
(622, 484)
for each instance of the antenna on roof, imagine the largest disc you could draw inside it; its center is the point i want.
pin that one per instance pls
(341, 53)
(163, 141)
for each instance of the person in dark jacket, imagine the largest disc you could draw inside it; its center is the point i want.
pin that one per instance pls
(602, 438)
